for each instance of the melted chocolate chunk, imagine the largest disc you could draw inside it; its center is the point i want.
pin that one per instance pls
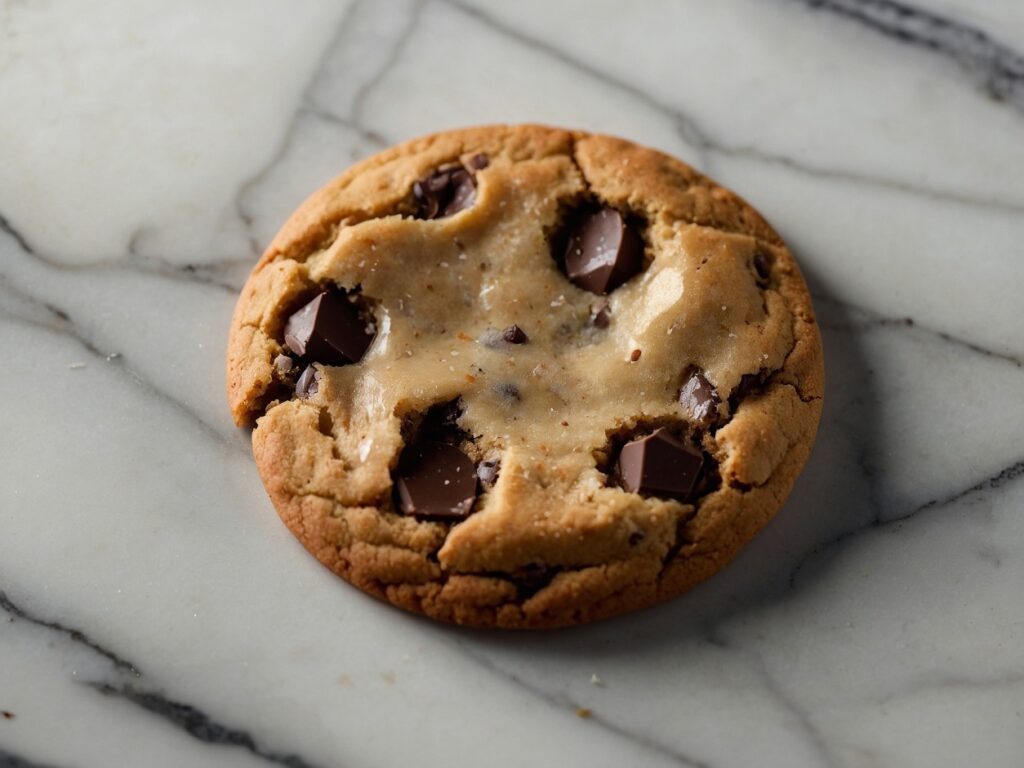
(603, 251)
(700, 399)
(659, 465)
(762, 267)
(748, 382)
(435, 480)
(441, 423)
(308, 383)
(448, 190)
(328, 330)
(514, 335)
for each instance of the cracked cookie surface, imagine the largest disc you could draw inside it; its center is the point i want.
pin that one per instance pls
(453, 254)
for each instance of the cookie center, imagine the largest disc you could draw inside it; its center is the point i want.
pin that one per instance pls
(551, 354)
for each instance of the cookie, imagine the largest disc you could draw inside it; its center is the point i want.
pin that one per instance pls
(518, 376)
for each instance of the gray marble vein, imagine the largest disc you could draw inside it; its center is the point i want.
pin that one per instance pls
(60, 323)
(11, 760)
(126, 686)
(564, 704)
(699, 137)
(197, 723)
(997, 67)
(891, 518)
(75, 635)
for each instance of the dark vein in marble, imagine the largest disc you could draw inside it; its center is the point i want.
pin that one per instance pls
(691, 132)
(756, 663)
(393, 56)
(62, 325)
(871, 319)
(197, 723)
(563, 703)
(186, 717)
(997, 67)
(938, 681)
(685, 126)
(203, 274)
(10, 760)
(77, 636)
(866, 180)
(1006, 475)
(23, 244)
(286, 141)
(307, 105)
(368, 135)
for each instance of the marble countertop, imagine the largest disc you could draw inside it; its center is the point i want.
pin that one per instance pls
(154, 612)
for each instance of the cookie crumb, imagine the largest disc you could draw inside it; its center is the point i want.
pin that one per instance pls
(76, 366)
(7, 715)
(113, 356)
(595, 680)
(583, 713)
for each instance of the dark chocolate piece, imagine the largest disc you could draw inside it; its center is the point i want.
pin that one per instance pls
(748, 382)
(603, 251)
(601, 314)
(441, 423)
(328, 330)
(659, 465)
(435, 480)
(762, 267)
(448, 190)
(308, 383)
(283, 364)
(700, 399)
(514, 335)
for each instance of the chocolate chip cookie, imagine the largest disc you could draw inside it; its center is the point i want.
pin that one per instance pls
(518, 376)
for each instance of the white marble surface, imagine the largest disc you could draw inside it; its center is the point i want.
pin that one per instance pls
(154, 612)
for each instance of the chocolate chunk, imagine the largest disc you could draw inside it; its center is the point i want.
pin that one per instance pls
(700, 399)
(601, 314)
(441, 422)
(762, 267)
(659, 465)
(328, 330)
(435, 480)
(603, 251)
(478, 162)
(488, 471)
(748, 381)
(308, 383)
(448, 190)
(634, 356)
(531, 577)
(283, 364)
(514, 335)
